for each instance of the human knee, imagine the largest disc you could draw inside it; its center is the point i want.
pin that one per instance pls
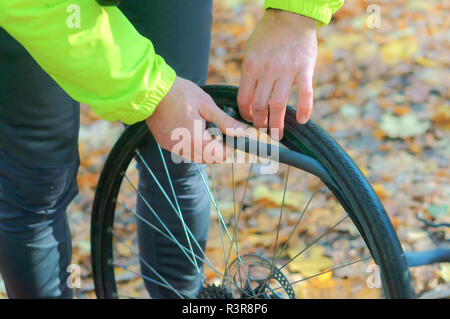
(34, 189)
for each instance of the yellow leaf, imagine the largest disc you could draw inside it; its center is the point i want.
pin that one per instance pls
(369, 293)
(364, 170)
(258, 239)
(295, 245)
(444, 272)
(310, 262)
(323, 286)
(319, 219)
(396, 51)
(380, 190)
(123, 250)
(441, 116)
(408, 125)
(324, 281)
(426, 62)
(325, 277)
(275, 197)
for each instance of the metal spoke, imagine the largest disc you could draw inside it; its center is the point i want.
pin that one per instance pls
(235, 234)
(147, 265)
(176, 200)
(222, 221)
(278, 230)
(300, 217)
(178, 212)
(280, 217)
(318, 274)
(207, 261)
(241, 206)
(331, 269)
(159, 219)
(220, 225)
(315, 241)
(191, 249)
(142, 276)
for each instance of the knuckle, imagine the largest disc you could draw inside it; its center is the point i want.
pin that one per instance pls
(259, 107)
(307, 91)
(259, 119)
(277, 106)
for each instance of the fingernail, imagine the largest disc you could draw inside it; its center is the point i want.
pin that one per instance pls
(303, 119)
(276, 138)
(247, 118)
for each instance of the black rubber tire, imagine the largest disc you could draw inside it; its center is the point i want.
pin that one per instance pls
(353, 191)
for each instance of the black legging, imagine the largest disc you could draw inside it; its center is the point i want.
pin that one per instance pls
(39, 126)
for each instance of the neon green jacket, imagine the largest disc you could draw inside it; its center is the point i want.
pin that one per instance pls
(95, 54)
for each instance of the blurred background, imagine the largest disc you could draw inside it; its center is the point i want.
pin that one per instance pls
(381, 90)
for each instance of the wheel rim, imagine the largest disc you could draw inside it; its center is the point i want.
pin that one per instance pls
(103, 215)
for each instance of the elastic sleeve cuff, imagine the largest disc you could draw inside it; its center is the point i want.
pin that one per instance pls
(145, 106)
(317, 10)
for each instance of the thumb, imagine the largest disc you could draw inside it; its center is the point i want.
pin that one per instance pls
(226, 124)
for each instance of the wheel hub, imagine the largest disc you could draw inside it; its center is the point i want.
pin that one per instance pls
(249, 277)
(215, 292)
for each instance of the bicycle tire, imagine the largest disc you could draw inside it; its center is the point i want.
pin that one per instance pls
(353, 191)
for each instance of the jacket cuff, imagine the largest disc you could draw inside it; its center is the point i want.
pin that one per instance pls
(145, 107)
(317, 10)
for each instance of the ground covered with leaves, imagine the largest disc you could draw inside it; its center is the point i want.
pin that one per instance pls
(381, 90)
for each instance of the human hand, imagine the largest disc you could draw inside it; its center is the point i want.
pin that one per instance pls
(183, 113)
(279, 54)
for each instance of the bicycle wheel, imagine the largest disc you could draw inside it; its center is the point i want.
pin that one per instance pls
(338, 175)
